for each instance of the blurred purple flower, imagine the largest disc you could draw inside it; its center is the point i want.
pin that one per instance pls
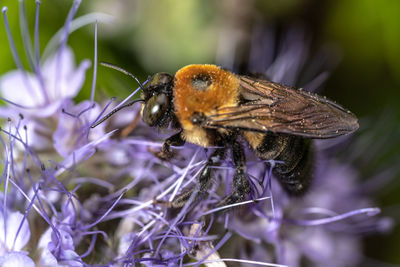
(42, 95)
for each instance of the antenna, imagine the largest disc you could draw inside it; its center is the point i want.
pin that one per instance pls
(115, 67)
(116, 110)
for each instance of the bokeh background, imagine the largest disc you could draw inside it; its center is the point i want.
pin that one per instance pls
(360, 40)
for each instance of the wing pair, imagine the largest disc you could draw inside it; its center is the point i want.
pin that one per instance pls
(269, 106)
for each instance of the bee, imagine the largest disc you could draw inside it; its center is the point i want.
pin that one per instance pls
(213, 107)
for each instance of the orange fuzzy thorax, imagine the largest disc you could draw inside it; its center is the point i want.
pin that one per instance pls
(222, 92)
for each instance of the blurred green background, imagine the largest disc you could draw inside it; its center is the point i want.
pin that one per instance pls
(149, 36)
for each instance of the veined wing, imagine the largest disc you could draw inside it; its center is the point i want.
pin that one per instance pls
(269, 106)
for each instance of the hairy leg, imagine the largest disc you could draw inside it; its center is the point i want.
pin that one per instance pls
(241, 186)
(204, 179)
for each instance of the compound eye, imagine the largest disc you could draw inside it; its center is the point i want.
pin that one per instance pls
(155, 108)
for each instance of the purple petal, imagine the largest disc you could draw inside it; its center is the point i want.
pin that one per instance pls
(70, 80)
(82, 153)
(14, 88)
(6, 112)
(15, 259)
(67, 256)
(66, 239)
(37, 135)
(45, 239)
(73, 125)
(46, 257)
(70, 258)
(11, 241)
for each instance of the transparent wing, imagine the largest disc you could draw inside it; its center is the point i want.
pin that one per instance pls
(269, 106)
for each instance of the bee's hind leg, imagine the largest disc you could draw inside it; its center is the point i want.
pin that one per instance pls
(204, 179)
(241, 186)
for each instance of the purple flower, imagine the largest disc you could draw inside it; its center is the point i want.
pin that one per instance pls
(43, 94)
(41, 97)
(101, 199)
(57, 243)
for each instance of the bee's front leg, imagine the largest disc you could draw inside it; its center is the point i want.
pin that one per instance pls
(166, 153)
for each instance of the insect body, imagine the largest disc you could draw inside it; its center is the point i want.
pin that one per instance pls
(214, 107)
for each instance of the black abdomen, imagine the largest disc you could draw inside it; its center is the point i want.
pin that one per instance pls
(295, 173)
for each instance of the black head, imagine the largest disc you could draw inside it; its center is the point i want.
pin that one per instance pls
(157, 96)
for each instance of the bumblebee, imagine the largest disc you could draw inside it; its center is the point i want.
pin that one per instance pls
(210, 106)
